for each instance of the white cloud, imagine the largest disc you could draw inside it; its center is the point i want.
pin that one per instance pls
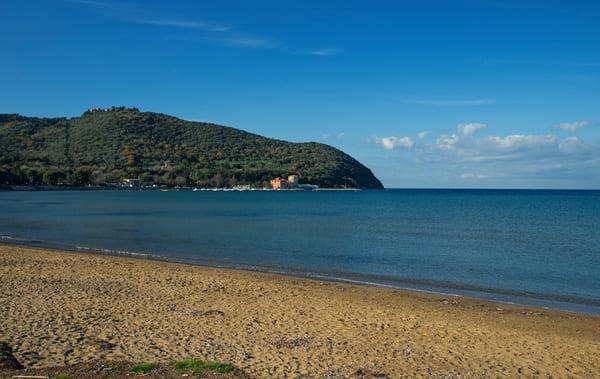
(325, 52)
(517, 141)
(216, 33)
(182, 24)
(470, 129)
(468, 148)
(248, 42)
(515, 160)
(447, 141)
(393, 142)
(570, 144)
(572, 126)
(422, 135)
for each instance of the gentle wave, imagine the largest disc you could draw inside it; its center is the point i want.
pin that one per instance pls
(546, 301)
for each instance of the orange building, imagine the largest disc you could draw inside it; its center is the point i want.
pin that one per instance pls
(279, 183)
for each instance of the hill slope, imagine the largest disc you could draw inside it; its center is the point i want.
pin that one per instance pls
(105, 146)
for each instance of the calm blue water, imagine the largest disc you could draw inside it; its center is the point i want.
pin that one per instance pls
(534, 247)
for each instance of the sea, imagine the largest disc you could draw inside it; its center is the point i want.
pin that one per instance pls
(532, 247)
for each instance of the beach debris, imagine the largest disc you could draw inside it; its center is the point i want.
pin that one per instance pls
(367, 374)
(293, 342)
(30, 377)
(105, 345)
(531, 313)
(245, 355)
(449, 301)
(7, 359)
(330, 344)
(210, 312)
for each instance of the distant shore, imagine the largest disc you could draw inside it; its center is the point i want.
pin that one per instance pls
(68, 308)
(124, 188)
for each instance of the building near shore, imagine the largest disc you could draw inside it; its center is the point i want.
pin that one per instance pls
(292, 182)
(279, 183)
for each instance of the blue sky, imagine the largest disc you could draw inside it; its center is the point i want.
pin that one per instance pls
(471, 93)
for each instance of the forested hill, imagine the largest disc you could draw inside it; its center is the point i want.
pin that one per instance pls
(106, 146)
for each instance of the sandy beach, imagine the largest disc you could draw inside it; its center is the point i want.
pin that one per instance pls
(62, 308)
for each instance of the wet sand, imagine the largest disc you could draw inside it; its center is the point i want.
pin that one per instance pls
(61, 308)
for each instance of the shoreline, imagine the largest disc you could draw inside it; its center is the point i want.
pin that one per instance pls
(584, 306)
(65, 308)
(91, 188)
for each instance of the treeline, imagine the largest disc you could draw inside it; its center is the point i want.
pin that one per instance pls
(105, 146)
(51, 176)
(101, 177)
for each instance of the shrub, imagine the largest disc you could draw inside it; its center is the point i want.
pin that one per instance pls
(196, 365)
(142, 368)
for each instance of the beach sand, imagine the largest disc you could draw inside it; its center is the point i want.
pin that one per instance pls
(61, 308)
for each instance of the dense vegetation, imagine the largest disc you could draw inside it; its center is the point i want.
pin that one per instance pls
(106, 146)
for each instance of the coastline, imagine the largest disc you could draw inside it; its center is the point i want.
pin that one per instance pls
(500, 296)
(51, 188)
(61, 304)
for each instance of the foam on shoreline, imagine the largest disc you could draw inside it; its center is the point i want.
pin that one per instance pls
(527, 298)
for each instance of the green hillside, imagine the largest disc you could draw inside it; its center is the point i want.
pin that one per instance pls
(106, 146)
